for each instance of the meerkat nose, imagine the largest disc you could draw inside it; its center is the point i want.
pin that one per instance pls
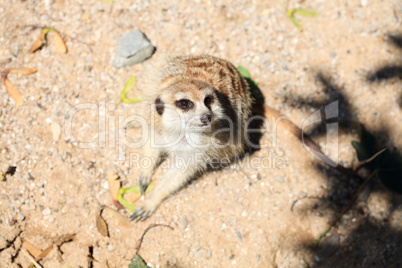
(206, 118)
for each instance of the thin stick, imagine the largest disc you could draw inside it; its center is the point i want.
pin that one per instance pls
(146, 230)
(348, 206)
(37, 265)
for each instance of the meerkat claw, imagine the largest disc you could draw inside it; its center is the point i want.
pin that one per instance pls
(133, 216)
(140, 215)
(143, 188)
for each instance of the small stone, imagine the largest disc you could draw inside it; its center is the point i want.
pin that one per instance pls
(364, 3)
(244, 213)
(110, 247)
(46, 211)
(302, 194)
(239, 235)
(85, 17)
(183, 223)
(132, 48)
(56, 131)
(20, 217)
(279, 179)
(209, 254)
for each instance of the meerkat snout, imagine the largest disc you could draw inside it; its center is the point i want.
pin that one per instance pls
(206, 119)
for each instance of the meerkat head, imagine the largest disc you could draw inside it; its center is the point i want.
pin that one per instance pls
(187, 105)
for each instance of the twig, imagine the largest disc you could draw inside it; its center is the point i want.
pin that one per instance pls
(351, 202)
(37, 265)
(360, 164)
(245, 174)
(146, 230)
(307, 197)
(82, 42)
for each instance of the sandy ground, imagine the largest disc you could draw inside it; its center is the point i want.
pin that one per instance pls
(238, 217)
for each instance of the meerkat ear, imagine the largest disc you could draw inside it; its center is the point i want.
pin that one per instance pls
(159, 105)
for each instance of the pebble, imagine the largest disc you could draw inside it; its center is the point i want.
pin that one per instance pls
(132, 48)
(183, 223)
(56, 131)
(46, 211)
(20, 217)
(364, 3)
(279, 179)
(110, 247)
(209, 254)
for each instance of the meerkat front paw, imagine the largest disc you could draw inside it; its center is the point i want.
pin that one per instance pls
(144, 182)
(145, 211)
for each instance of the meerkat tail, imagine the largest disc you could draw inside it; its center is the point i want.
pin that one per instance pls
(292, 128)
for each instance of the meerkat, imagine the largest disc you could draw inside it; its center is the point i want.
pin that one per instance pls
(197, 110)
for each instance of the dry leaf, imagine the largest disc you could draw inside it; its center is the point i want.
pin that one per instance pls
(5, 60)
(13, 92)
(117, 204)
(117, 217)
(38, 43)
(132, 197)
(114, 184)
(101, 225)
(44, 253)
(34, 251)
(59, 43)
(23, 71)
(85, 16)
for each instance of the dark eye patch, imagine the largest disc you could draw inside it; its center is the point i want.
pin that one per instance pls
(160, 106)
(208, 101)
(185, 104)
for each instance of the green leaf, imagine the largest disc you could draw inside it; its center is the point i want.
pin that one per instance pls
(137, 262)
(252, 84)
(244, 72)
(128, 205)
(367, 139)
(296, 23)
(127, 88)
(133, 189)
(390, 172)
(366, 148)
(305, 12)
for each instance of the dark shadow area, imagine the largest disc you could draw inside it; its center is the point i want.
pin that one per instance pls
(359, 239)
(371, 243)
(257, 118)
(366, 240)
(333, 93)
(392, 70)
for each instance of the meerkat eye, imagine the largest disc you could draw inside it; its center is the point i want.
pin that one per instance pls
(208, 101)
(185, 104)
